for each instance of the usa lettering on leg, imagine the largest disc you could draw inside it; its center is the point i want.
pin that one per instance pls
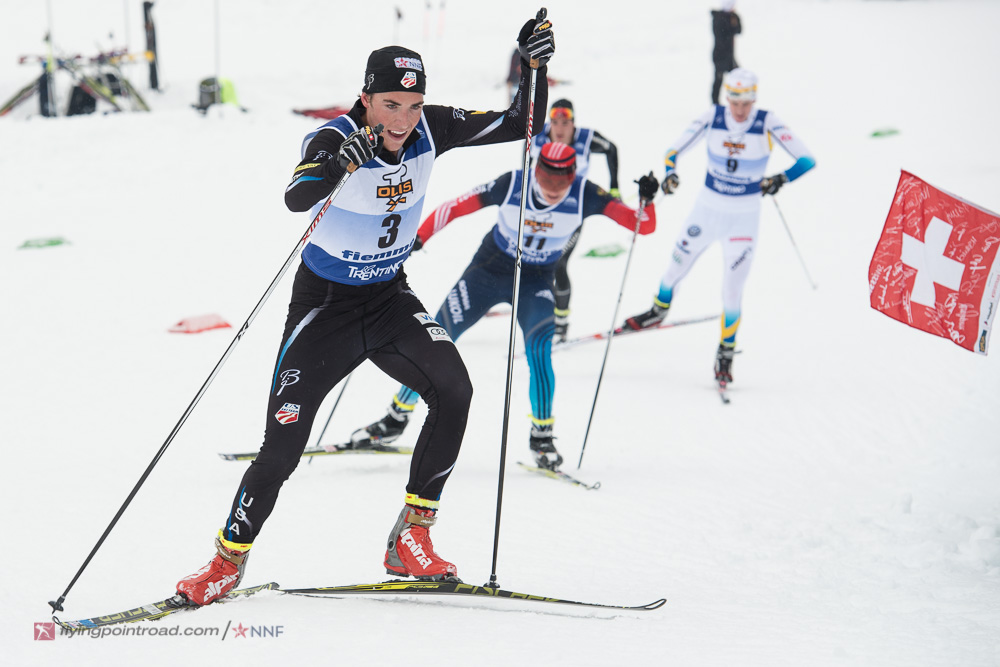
(240, 514)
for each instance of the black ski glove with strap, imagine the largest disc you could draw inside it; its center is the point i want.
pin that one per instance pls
(535, 42)
(771, 184)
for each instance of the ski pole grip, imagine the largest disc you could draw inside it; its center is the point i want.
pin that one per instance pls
(534, 63)
(375, 131)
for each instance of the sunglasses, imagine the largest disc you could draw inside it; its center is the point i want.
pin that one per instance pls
(561, 112)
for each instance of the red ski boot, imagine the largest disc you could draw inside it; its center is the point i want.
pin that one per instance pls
(410, 552)
(220, 576)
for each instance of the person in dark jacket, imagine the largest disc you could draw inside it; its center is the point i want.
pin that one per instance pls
(351, 301)
(725, 26)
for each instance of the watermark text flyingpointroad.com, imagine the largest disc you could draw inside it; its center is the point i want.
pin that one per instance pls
(49, 631)
(139, 630)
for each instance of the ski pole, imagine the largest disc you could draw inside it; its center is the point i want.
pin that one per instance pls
(50, 67)
(57, 604)
(343, 387)
(792, 239)
(525, 163)
(611, 332)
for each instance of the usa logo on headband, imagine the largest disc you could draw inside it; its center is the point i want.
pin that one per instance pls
(409, 80)
(409, 63)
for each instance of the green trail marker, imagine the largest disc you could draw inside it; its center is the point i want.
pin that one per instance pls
(609, 250)
(43, 243)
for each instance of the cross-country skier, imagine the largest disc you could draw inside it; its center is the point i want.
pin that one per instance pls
(350, 300)
(727, 210)
(561, 127)
(559, 198)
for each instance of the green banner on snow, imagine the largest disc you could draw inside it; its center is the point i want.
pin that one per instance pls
(43, 243)
(609, 250)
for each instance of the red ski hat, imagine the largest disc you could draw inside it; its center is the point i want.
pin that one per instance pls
(556, 166)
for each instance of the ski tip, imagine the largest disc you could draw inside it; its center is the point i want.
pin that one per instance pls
(559, 475)
(238, 457)
(270, 586)
(655, 605)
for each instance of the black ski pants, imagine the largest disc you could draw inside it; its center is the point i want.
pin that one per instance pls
(331, 328)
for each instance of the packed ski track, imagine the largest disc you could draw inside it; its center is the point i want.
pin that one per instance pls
(842, 509)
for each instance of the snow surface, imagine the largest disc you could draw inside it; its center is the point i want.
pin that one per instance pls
(843, 510)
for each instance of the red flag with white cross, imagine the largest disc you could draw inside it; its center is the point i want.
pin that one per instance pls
(935, 267)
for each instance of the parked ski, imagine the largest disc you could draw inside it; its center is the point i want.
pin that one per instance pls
(19, 97)
(327, 450)
(156, 610)
(401, 587)
(603, 335)
(559, 474)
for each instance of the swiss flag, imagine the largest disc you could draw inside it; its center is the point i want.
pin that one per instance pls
(935, 266)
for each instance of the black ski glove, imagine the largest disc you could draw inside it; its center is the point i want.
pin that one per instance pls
(648, 185)
(670, 183)
(536, 41)
(771, 184)
(360, 146)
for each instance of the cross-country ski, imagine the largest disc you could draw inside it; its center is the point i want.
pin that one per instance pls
(396, 588)
(559, 475)
(157, 610)
(345, 449)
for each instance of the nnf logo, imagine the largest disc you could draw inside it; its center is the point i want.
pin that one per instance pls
(409, 63)
(250, 631)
